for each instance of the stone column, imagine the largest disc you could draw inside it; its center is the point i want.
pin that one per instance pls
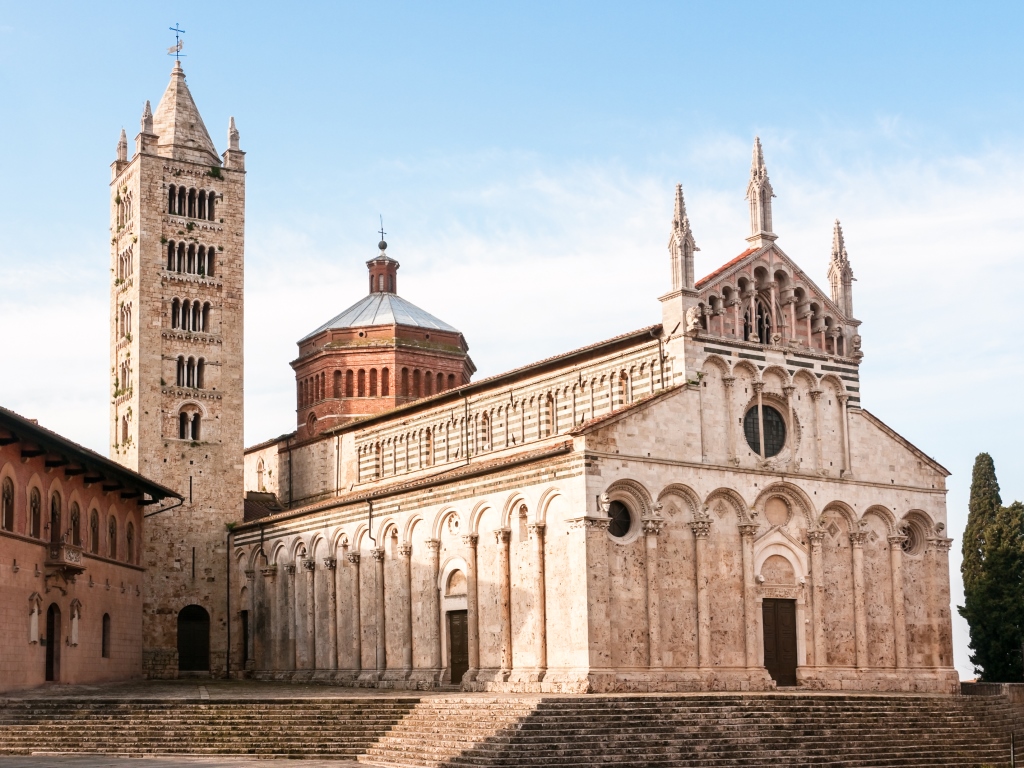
(847, 469)
(264, 634)
(250, 641)
(355, 608)
(309, 565)
(816, 399)
(899, 616)
(380, 618)
(701, 529)
(287, 614)
(857, 539)
(730, 430)
(503, 536)
(652, 528)
(747, 533)
(405, 553)
(758, 386)
(944, 627)
(788, 392)
(330, 564)
(816, 537)
(754, 337)
(433, 606)
(472, 614)
(536, 531)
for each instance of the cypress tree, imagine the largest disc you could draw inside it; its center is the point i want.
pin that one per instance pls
(993, 571)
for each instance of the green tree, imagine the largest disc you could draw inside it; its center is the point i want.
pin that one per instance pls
(993, 571)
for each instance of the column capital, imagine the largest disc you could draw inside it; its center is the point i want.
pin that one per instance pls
(701, 528)
(728, 381)
(652, 526)
(590, 523)
(330, 563)
(378, 555)
(857, 538)
(290, 569)
(748, 530)
(434, 545)
(897, 541)
(815, 394)
(757, 386)
(470, 540)
(309, 564)
(535, 529)
(353, 557)
(816, 537)
(843, 398)
(405, 550)
(941, 544)
(269, 572)
(250, 574)
(788, 390)
(503, 535)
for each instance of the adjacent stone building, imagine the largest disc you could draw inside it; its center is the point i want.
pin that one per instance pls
(71, 580)
(177, 223)
(700, 504)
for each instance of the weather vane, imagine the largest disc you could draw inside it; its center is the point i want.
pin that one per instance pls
(381, 230)
(175, 51)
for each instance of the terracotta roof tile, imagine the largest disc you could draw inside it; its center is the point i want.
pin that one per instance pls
(724, 267)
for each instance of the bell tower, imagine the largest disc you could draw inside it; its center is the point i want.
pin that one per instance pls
(177, 241)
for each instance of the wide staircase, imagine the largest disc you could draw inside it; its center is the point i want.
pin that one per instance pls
(470, 730)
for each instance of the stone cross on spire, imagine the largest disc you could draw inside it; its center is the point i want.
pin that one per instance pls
(840, 273)
(760, 194)
(681, 245)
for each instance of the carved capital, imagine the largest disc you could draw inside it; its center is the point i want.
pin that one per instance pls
(788, 390)
(378, 555)
(701, 528)
(728, 381)
(896, 541)
(503, 535)
(590, 523)
(269, 572)
(309, 564)
(290, 569)
(942, 545)
(816, 537)
(653, 526)
(353, 557)
(330, 563)
(434, 545)
(470, 540)
(748, 530)
(857, 538)
(757, 386)
(815, 394)
(843, 398)
(405, 550)
(250, 574)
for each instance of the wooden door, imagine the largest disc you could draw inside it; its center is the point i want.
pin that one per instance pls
(778, 618)
(53, 643)
(193, 639)
(458, 645)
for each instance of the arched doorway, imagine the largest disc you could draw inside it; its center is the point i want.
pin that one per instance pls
(53, 635)
(193, 639)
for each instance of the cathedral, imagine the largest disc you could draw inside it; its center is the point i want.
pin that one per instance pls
(699, 504)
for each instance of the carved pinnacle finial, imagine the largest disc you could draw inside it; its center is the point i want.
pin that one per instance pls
(122, 147)
(147, 118)
(232, 134)
(838, 245)
(757, 161)
(680, 212)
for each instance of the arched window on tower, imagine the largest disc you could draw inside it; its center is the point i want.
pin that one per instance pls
(373, 382)
(179, 375)
(416, 389)
(124, 429)
(172, 200)
(197, 310)
(337, 384)
(428, 383)
(209, 261)
(201, 210)
(349, 383)
(196, 431)
(404, 392)
(183, 426)
(201, 374)
(391, 283)
(191, 203)
(55, 509)
(385, 382)
(206, 317)
(361, 392)
(451, 381)
(171, 260)
(129, 543)
(260, 469)
(94, 532)
(190, 261)
(182, 192)
(7, 504)
(210, 199)
(76, 524)
(440, 383)
(380, 283)
(35, 504)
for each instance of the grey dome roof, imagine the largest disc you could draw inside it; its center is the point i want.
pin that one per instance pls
(383, 309)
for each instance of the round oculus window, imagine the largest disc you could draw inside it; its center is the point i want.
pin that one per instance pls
(621, 519)
(774, 430)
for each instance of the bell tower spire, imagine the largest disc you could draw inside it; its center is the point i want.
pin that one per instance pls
(840, 273)
(760, 194)
(681, 245)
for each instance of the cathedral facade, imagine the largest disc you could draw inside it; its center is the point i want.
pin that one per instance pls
(700, 504)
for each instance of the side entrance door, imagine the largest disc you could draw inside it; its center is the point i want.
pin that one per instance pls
(778, 617)
(53, 641)
(458, 645)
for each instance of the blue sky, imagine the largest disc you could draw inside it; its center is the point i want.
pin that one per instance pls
(523, 157)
